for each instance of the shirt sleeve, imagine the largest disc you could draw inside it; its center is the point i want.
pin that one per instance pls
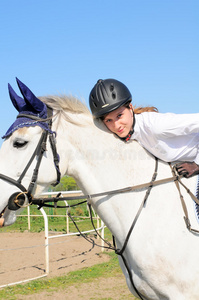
(171, 137)
(197, 156)
(169, 124)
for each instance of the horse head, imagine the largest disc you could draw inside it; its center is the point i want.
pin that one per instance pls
(25, 145)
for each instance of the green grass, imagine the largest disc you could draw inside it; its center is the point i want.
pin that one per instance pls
(86, 275)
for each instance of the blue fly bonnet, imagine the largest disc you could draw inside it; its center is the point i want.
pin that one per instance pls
(28, 105)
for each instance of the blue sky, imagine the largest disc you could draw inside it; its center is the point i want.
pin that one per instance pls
(64, 46)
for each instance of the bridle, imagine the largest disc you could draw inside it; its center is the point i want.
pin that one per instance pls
(18, 199)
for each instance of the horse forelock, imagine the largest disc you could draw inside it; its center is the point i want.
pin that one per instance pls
(67, 106)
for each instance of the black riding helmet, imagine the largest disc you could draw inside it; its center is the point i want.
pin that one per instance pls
(108, 95)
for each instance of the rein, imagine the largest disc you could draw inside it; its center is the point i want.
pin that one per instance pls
(41, 201)
(186, 216)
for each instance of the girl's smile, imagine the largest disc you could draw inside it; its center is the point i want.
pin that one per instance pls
(120, 121)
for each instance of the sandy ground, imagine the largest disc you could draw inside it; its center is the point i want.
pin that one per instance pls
(23, 257)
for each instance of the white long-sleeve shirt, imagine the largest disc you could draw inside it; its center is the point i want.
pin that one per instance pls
(170, 137)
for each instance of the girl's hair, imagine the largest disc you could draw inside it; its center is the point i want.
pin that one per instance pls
(138, 110)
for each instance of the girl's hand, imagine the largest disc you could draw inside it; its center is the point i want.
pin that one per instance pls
(187, 169)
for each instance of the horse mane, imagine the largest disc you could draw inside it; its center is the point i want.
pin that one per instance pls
(67, 105)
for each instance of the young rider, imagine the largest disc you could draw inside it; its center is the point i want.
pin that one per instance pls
(170, 137)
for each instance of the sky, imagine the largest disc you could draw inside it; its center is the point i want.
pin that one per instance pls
(64, 47)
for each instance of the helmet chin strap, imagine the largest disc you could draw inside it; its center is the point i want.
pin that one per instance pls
(127, 138)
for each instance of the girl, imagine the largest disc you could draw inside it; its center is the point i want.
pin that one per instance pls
(170, 137)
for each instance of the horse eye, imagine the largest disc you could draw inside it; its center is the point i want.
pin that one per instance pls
(19, 144)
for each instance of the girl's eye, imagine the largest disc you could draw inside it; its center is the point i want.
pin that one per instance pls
(119, 116)
(19, 144)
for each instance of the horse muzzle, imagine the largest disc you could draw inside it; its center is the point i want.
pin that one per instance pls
(16, 201)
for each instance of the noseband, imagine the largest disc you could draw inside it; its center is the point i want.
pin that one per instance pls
(17, 199)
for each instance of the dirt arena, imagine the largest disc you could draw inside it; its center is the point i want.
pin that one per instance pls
(23, 257)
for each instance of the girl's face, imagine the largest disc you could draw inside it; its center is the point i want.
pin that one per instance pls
(120, 121)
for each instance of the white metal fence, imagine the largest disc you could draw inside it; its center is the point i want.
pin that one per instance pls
(100, 228)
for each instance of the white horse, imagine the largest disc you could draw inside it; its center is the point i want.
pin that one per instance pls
(161, 254)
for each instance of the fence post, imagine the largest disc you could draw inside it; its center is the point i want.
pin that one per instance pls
(46, 239)
(28, 210)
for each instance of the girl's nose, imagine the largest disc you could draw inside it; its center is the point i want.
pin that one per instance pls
(117, 124)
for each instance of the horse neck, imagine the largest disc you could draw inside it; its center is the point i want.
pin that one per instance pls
(100, 161)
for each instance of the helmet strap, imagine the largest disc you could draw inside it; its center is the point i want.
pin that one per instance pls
(127, 138)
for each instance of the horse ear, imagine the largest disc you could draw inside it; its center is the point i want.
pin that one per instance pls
(29, 97)
(17, 101)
